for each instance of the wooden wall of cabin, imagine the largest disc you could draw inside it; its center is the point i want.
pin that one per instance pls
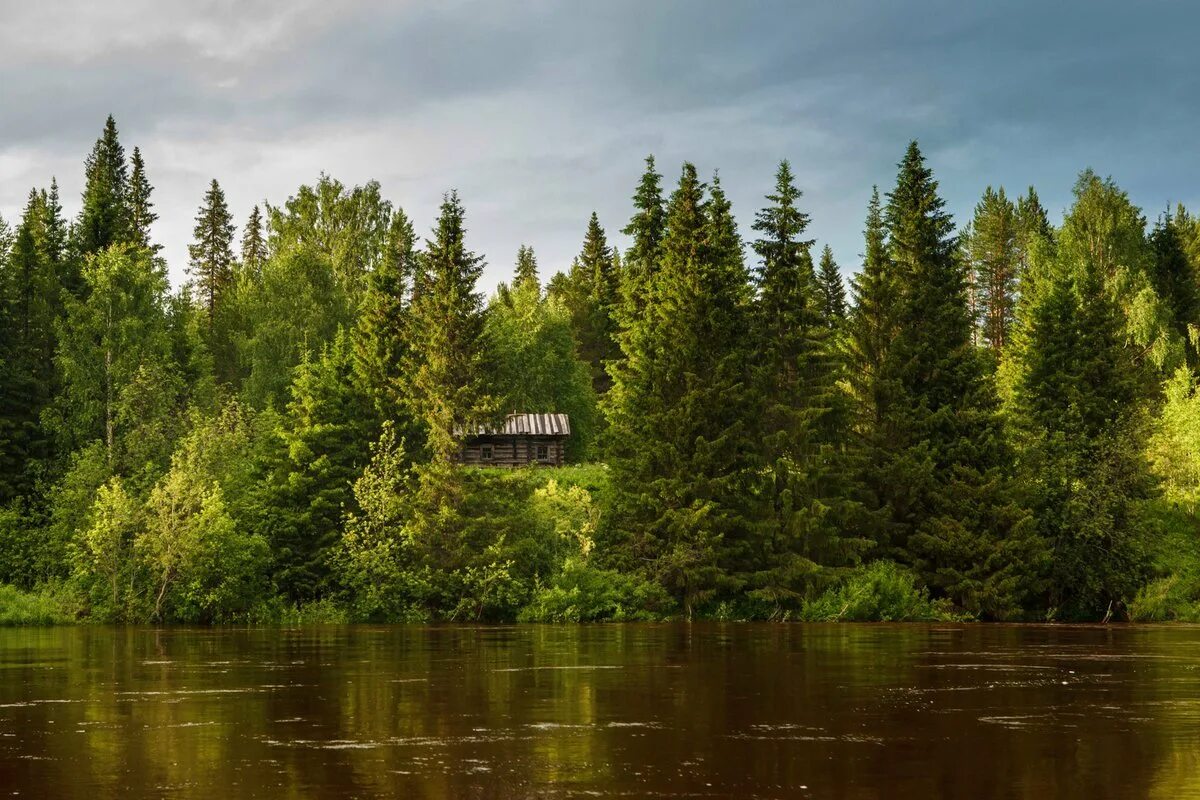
(514, 451)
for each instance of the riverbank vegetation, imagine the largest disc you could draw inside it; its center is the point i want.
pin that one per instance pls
(996, 421)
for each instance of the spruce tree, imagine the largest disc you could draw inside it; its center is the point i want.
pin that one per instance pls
(872, 327)
(444, 369)
(29, 310)
(326, 432)
(801, 413)
(677, 409)
(591, 293)
(526, 270)
(381, 335)
(832, 292)
(992, 251)
(254, 245)
(947, 472)
(141, 209)
(211, 254)
(646, 228)
(104, 218)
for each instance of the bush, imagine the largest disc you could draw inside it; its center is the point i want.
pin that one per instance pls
(878, 592)
(318, 612)
(48, 605)
(1169, 599)
(581, 593)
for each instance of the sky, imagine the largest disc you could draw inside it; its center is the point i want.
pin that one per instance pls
(541, 112)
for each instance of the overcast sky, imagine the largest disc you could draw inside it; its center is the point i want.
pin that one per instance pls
(541, 112)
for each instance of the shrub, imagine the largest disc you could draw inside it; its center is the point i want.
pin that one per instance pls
(47, 605)
(881, 591)
(582, 593)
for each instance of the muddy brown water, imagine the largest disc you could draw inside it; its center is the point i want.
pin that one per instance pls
(705, 710)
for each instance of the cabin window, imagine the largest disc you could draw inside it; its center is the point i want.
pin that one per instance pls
(543, 452)
(485, 452)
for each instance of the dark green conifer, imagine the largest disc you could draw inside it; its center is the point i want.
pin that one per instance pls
(141, 208)
(527, 269)
(104, 218)
(677, 408)
(444, 375)
(832, 291)
(947, 472)
(381, 336)
(646, 228)
(254, 244)
(211, 254)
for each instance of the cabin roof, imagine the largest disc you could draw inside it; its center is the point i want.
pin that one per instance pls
(526, 425)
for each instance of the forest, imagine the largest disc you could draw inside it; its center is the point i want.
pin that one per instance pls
(994, 421)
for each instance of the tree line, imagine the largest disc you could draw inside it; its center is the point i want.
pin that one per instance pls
(994, 422)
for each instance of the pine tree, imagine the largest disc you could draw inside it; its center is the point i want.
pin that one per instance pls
(527, 268)
(947, 473)
(211, 255)
(646, 228)
(444, 371)
(104, 218)
(141, 209)
(381, 335)
(254, 246)
(832, 292)
(679, 436)
(993, 253)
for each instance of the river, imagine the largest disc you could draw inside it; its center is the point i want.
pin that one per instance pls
(673, 710)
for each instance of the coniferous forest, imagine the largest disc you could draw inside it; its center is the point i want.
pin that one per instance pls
(994, 419)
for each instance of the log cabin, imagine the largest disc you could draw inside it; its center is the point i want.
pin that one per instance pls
(522, 440)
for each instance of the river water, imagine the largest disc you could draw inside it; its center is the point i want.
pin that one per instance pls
(703, 710)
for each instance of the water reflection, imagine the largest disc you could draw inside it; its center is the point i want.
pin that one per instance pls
(631, 711)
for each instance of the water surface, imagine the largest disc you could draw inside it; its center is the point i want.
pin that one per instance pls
(746, 711)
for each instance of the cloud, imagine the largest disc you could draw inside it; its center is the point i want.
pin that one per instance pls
(540, 112)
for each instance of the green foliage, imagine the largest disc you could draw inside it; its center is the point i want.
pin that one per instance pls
(278, 319)
(881, 591)
(346, 228)
(534, 355)
(115, 358)
(325, 434)
(646, 228)
(583, 593)
(1077, 399)
(48, 605)
(382, 334)
(276, 440)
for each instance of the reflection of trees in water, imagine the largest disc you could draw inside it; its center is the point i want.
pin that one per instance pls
(923, 711)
